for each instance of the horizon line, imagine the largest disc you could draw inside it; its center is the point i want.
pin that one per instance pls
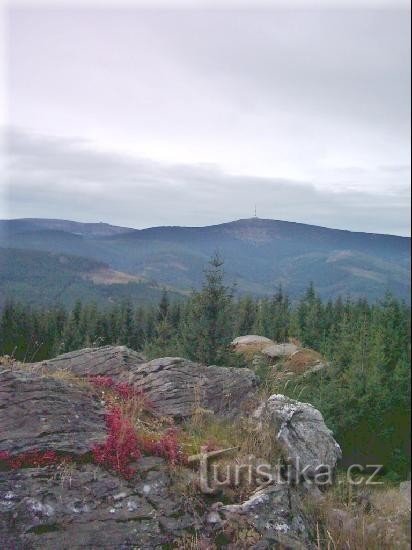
(252, 218)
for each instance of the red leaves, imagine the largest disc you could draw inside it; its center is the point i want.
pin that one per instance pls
(4, 456)
(121, 447)
(167, 446)
(30, 459)
(122, 389)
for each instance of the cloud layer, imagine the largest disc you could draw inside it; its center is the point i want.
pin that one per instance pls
(66, 178)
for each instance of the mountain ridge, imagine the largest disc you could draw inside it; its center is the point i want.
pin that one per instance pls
(259, 254)
(112, 228)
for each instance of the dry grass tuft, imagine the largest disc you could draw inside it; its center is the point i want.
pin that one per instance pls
(351, 518)
(251, 448)
(7, 361)
(251, 350)
(192, 541)
(66, 375)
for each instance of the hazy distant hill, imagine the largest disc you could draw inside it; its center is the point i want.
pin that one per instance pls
(44, 278)
(32, 225)
(259, 254)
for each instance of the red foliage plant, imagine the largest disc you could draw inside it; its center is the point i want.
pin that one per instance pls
(167, 446)
(122, 389)
(30, 459)
(121, 446)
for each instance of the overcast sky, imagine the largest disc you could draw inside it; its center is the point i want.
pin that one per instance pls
(143, 117)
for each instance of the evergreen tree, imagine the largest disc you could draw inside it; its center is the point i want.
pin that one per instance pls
(246, 316)
(207, 326)
(163, 309)
(280, 315)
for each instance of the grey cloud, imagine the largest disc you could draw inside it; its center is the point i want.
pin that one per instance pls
(272, 92)
(67, 178)
(338, 62)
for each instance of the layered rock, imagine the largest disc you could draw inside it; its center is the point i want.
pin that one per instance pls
(73, 503)
(41, 413)
(178, 387)
(87, 507)
(104, 361)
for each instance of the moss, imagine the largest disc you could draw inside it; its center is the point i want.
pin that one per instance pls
(45, 528)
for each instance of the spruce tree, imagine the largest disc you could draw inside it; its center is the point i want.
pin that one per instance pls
(207, 326)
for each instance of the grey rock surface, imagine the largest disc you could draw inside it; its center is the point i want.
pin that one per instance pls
(41, 413)
(175, 386)
(86, 507)
(306, 442)
(251, 340)
(77, 504)
(276, 513)
(178, 387)
(102, 361)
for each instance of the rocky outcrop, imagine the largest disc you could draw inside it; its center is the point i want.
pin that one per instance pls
(71, 503)
(277, 351)
(288, 357)
(275, 512)
(177, 387)
(74, 501)
(251, 340)
(39, 413)
(251, 344)
(104, 361)
(307, 443)
(87, 507)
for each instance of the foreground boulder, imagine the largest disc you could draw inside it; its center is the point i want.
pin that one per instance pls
(178, 387)
(74, 501)
(68, 501)
(39, 413)
(306, 442)
(87, 507)
(104, 361)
